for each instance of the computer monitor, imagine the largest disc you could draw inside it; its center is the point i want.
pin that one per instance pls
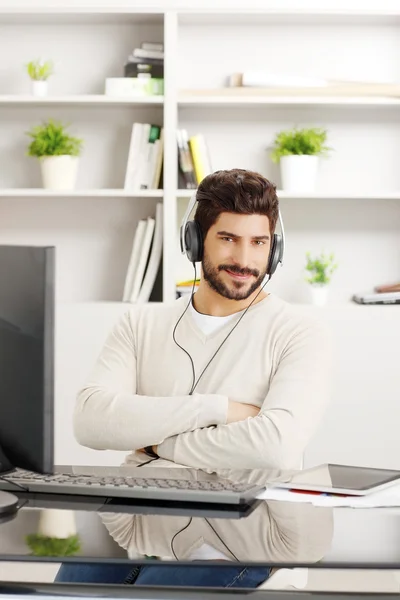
(27, 307)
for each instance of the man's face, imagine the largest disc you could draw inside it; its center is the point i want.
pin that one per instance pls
(236, 250)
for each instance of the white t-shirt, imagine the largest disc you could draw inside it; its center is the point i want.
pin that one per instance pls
(208, 324)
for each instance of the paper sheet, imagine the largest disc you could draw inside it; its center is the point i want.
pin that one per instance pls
(386, 498)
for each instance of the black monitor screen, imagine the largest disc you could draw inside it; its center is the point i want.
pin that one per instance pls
(26, 357)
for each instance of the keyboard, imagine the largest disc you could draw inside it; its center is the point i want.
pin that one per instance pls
(169, 487)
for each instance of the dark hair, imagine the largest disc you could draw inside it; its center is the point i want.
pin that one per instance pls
(236, 191)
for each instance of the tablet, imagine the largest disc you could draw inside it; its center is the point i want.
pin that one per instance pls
(342, 479)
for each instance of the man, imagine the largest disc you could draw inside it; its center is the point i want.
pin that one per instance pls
(235, 379)
(260, 398)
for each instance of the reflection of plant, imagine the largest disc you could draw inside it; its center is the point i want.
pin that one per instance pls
(41, 545)
(299, 141)
(51, 139)
(320, 268)
(39, 70)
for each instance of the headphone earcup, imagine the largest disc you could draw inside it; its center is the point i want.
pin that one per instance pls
(275, 255)
(193, 242)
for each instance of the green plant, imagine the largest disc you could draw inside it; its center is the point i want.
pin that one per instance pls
(51, 139)
(39, 69)
(320, 268)
(299, 141)
(41, 545)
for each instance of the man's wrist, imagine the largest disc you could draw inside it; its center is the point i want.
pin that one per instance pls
(151, 451)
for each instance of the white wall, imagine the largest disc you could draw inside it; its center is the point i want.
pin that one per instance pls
(81, 330)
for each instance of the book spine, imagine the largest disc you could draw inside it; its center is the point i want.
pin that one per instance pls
(200, 157)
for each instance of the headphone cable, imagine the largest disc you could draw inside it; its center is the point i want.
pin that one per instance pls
(176, 325)
(230, 332)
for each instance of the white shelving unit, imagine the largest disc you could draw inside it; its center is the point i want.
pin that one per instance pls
(42, 193)
(282, 195)
(87, 100)
(355, 211)
(241, 100)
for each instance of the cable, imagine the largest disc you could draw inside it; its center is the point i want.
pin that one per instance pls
(194, 384)
(147, 462)
(177, 323)
(194, 381)
(19, 506)
(221, 540)
(214, 530)
(10, 482)
(177, 533)
(231, 331)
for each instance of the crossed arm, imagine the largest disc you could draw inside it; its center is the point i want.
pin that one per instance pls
(206, 430)
(278, 434)
(110, 415)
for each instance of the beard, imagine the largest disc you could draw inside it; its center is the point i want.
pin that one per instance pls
(237, 290)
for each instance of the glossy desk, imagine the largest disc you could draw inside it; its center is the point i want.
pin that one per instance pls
(311, 549)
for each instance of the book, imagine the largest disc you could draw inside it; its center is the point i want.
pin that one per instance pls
(185, 161)
(184, 288)
(143, 259)
(152, 46)
(143, 53)
(139, 67)
(200, 156)
(133, 156)
(159, 149)
(134, 259)
(154, 259)
(381, 289)
(143, 170)
(377, 298)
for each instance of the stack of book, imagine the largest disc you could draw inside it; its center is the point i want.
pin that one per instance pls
(145, 157)
(382, 294)
(184, 288)
(147, 62)
(145, 260)
(193, 159)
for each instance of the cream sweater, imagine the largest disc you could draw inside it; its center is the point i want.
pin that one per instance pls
(138, 392)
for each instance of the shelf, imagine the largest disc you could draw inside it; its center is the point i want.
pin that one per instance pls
(319, 195)
(241, 97)
(87, 100)
(287, 15)
(100, 193)
(74, 15)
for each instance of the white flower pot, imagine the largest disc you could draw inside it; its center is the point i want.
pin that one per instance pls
(55, 523)
(299, 172)
(319, 294)
(59, 172)
(39, 87)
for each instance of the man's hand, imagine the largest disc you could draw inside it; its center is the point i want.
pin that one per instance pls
(238, 411)
(144, 452)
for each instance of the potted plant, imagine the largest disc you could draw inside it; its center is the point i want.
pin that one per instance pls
(298, 152)
(56, 535)
(320, 270)
(39, 71)
(58, 153)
